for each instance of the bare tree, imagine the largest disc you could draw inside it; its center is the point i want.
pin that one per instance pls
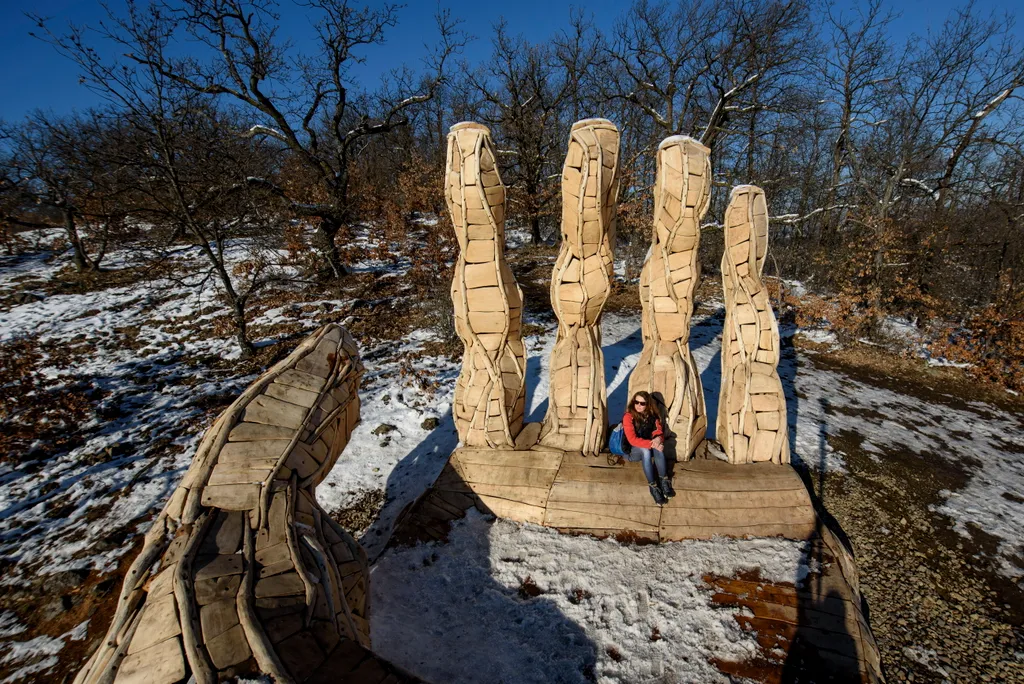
(60, 166)
(693, 66)
(523, 92)
(303, 101)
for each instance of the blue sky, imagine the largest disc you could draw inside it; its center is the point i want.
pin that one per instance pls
(34, 76)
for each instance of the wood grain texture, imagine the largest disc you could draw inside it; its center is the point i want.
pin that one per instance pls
(666, 369)
(490, 393)
(577, 415)
(752, 406)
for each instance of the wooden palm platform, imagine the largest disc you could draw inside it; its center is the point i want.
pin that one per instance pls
(814, 632)
(581, 494)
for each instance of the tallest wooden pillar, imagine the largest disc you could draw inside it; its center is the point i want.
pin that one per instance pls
(577, 416)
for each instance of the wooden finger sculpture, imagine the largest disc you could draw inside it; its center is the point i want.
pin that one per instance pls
(243, 572)
(751, 407)
(490, 394)
(666, 368)
(577, 418)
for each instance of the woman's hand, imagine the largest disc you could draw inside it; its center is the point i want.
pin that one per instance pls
(657, 443)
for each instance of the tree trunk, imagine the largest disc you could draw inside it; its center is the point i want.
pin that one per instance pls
(80, 256)
(241, 330)
(535, 229)
(324, 241)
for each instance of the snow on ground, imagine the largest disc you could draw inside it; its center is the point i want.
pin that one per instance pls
(151, 394)
(37, 655)
(442, 612)
(155, 399)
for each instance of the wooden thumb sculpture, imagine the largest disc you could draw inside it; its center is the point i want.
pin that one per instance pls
(490, 394)
(577, 414)
(666, 369)
(243, 572)
(752, 423)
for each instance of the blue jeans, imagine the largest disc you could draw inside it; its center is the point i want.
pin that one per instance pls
(652, 458)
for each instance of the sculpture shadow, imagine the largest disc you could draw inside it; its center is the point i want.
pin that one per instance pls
(412, 475)
(788, 366)
(615, 356)
(440, 608)
(534, 369)
(701, 335)
(822, 648)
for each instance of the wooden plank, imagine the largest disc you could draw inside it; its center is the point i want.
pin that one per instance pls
(246, 453)
(751, 499)
(163, 663)
(280, 628)
(629, 474)
(544, 460)
(255, 432)
(232, 497)
(229, 648)
(224, 535)
(207, 567)
(596, 515)
(301, 380)
(301, 654)
(506, 476)
(162, 583)
(513, 510)
(535, 496)
(216, 589)
(789, 531)
(288, 584)
(769, 484)
(159, 622)
(746, 470)
(624, 536)
(274, 554)
(601, 493)
(292, 395)
(737, 517)
(218, 617)
(226, 475)
(270, 411)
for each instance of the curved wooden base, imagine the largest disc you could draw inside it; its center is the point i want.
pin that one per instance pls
(584, 494)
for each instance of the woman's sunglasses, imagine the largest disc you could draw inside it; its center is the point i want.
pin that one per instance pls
(640, 403)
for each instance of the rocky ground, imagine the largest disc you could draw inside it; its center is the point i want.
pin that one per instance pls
(939, 611)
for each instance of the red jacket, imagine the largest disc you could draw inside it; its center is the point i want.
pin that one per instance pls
(634, 440)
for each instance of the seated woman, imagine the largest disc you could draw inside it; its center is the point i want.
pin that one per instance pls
(642, 428)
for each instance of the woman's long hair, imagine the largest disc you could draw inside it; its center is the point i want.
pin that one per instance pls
(645, 420)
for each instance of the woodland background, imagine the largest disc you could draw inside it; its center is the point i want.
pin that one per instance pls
(894, 170)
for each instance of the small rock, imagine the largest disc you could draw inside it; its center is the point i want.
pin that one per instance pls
(384, 428)
(430, 423)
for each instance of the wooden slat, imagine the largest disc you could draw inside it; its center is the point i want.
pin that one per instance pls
(608, 516)
(547, 460)
(514, 510)
(718, 499)
(737, 516)
(789, 531)
(534, 496)
(601, 493)
(163, 663)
